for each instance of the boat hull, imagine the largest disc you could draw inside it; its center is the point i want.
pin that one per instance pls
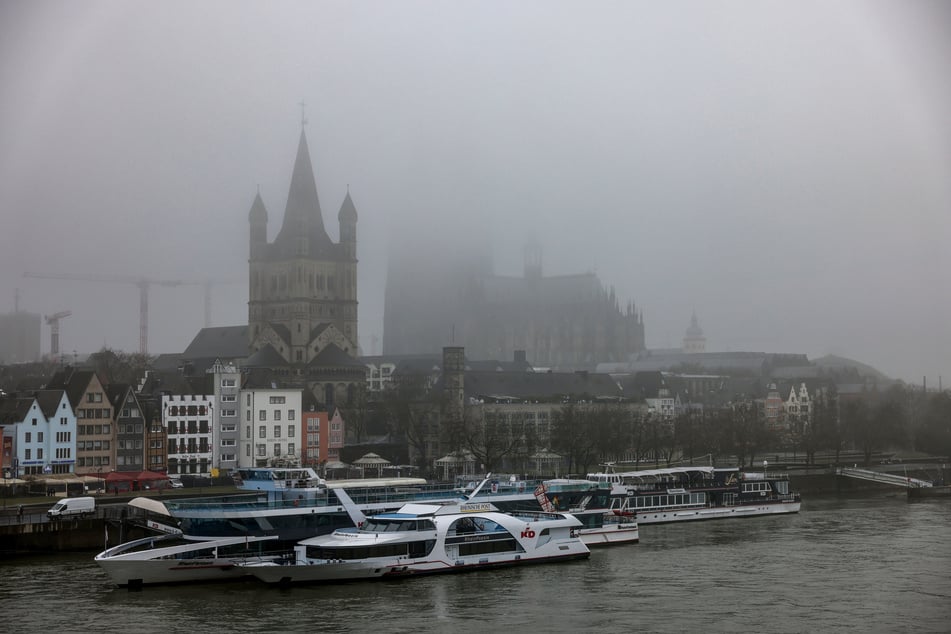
(664, 516)
(609, 535)
(156, 572)
(330, 572)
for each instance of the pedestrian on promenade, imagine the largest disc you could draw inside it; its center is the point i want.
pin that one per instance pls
(20, 511)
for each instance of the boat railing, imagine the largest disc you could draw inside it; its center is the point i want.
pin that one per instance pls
(535, 516)
(257, 501)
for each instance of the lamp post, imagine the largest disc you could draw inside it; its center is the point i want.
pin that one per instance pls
(764, 469)
(100, 479)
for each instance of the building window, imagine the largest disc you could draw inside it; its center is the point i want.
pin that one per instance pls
(227, 383)
(277, 449)
(290, 431)
(262, 415)
(262, 432)
(262, 450)
(290, 414)
(277, 414)
(277, 431)
(277, 400)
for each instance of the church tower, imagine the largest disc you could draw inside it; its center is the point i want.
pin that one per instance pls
(302, 306)
(694, 341)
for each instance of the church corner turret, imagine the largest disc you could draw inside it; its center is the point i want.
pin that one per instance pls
(257, 218)
(347, 217)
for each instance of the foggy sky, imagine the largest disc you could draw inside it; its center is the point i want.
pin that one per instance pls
(781, 168)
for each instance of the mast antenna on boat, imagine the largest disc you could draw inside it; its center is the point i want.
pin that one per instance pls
(476, 490)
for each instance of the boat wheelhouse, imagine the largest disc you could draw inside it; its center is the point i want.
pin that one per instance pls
(678, 494)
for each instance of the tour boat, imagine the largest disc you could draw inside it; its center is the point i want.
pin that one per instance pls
(601, 507)
(680, 494)
(170, 559)
(430, 538)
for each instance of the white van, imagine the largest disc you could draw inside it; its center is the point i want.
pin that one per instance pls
(72, 507)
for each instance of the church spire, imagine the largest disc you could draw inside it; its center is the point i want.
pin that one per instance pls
(302, 232)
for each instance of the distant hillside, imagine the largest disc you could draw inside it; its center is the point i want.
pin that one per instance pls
(834, 363)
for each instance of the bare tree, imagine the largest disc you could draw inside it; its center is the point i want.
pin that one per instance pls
(411, 414)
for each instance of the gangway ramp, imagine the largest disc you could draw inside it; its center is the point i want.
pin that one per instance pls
(885, 478)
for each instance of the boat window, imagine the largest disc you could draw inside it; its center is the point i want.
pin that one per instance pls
(508, 544)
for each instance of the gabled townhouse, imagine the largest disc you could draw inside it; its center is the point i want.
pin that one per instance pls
(39, 434)
(271, 425)
(130, 427)
(95, 431)
(798, 407)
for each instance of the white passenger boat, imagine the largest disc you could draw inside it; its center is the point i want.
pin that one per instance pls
(170, 559)
(690, 493)
(431, 538)
(602, 509)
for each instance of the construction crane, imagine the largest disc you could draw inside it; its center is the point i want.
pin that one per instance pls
(53, 322)
(143, 284)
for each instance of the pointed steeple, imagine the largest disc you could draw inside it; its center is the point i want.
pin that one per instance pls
(348, 213)
(302, 232)
(258, 213)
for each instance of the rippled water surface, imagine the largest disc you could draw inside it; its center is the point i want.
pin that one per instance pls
(875, 564)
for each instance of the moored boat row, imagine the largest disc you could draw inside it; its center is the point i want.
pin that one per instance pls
(317, 531)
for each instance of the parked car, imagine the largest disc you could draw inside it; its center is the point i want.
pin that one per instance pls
(176, 484)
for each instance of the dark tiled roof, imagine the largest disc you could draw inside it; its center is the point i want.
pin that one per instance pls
(319, 328)
(220, 342)
(49, 401)
(266, 357)
(116, 392)
(333, 356)
(75, 382)
(14, 409)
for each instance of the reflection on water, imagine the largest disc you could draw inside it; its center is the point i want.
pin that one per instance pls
(870, 564)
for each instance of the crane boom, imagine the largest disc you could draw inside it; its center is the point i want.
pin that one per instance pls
(143, 284)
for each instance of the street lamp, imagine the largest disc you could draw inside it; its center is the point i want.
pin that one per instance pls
(764, 469)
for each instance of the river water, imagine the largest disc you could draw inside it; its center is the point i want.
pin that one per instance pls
(872, 564)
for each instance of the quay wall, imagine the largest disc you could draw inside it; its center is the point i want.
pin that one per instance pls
(32, 532)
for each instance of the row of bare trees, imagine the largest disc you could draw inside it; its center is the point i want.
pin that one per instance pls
(589, 434)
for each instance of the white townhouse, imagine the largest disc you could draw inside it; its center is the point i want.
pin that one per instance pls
(271, 434)
(225, 418)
